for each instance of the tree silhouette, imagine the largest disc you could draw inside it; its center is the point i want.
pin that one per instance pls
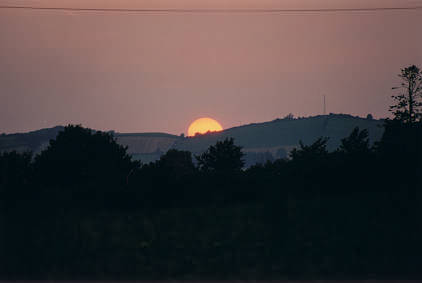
(79, 155)
(289, 116)
(310, 152)
(224, 158)
(15, 169)
(176, 163)
(356, 143)
(408, 107)
(401, 144)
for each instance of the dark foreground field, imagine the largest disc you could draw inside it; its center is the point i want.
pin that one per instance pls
(299, 238)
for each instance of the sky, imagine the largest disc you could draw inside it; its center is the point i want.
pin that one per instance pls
(157, 72)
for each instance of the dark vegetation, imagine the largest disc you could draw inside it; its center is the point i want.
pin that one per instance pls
(260, 142)
(83, 209)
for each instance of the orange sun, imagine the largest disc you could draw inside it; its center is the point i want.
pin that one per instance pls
(204, 125)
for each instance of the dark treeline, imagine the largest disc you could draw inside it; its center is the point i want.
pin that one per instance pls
(83, 208)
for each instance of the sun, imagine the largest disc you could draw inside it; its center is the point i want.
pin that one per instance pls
(204, 125)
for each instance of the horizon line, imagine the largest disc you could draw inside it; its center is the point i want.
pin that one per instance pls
(157, 132)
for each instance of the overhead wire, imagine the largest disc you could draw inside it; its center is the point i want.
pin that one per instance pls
(228, 10)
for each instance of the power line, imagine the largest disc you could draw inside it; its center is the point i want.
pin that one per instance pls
(263, 11)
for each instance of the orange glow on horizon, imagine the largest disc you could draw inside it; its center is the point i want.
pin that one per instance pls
(204, 125)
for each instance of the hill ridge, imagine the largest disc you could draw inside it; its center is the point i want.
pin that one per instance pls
(271, 138)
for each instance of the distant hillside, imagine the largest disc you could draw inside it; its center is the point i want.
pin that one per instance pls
(281, 135)
(34, 141)
(145, 146)
(261, 141)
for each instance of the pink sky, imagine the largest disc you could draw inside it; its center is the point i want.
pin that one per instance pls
(159, 72)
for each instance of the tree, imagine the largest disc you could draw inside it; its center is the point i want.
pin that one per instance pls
(311, 152)
(176, 163)
(402, 144)
(15, 169)
(356, 143)
(289, 116)
(82, 156)
(408, 107)
(223, 158)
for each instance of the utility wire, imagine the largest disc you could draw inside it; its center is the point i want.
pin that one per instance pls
(176, 10)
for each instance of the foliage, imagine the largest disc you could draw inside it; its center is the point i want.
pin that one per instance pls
(79, 156)
(408, 103)
(289, 116)
(356, 143)
(15, 169)
(223, 158)
(401, 146)
(316, 150)
(176, 163)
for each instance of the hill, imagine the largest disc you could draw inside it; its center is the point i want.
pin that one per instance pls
(34, 141)
(145, 146)
(279, 136)
(261, 141)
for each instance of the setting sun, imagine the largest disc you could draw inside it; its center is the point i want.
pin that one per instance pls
(204, 125)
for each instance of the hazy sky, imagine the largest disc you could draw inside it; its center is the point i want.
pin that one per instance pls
(159, 71)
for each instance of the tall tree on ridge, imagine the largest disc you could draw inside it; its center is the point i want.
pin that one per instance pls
(408, 107)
